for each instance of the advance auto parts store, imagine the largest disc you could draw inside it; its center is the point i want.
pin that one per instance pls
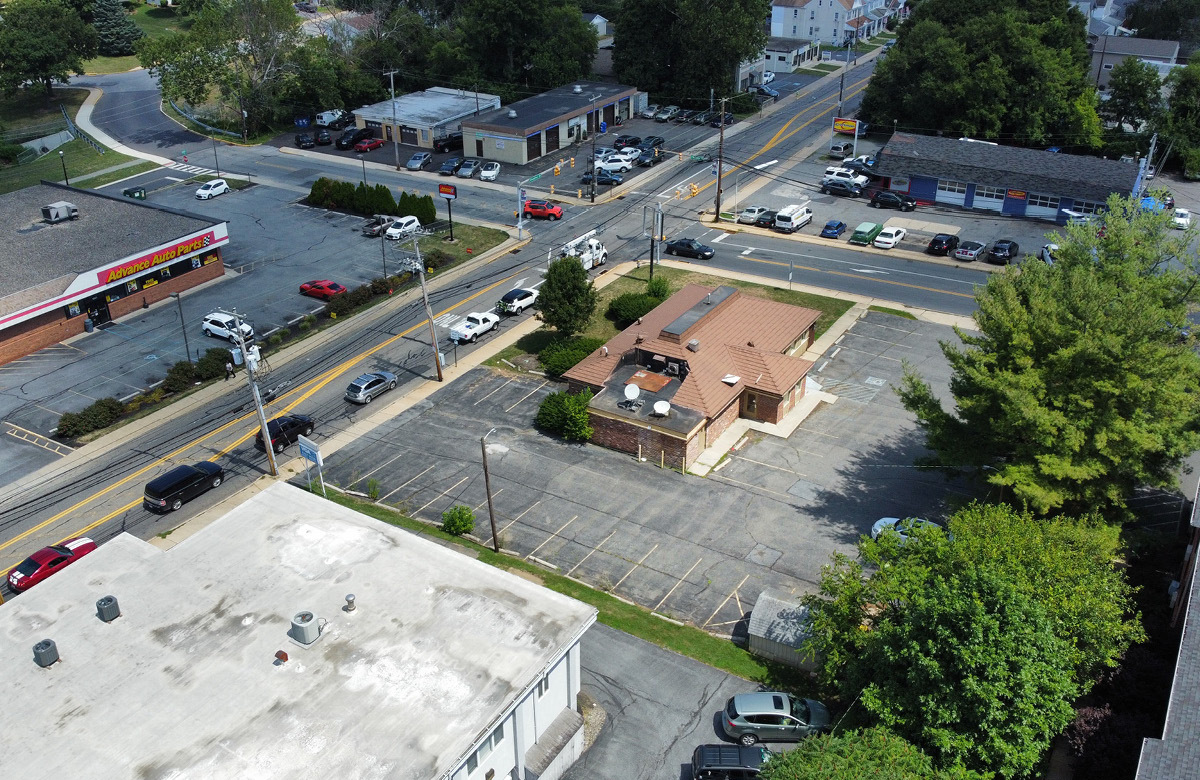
(114, 257)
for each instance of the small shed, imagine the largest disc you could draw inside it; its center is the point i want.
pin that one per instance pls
(779, 627)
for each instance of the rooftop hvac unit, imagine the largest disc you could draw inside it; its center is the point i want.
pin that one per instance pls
(694, 345)
(107, 609)
(45, 653)
(512, 113)
(59, 212)
(672, 369)
(577, 89)
(305, 629)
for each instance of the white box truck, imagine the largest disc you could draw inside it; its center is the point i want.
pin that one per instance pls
(589, 249)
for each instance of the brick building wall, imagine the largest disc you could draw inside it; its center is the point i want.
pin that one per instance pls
(721, 421)
(624, 436)
(54, 326)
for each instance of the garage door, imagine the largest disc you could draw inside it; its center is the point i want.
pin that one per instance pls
(1042, 206)
(408, 135)
(953, 193)
(990, 198)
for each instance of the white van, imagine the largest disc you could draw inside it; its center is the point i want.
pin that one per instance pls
(791, 218)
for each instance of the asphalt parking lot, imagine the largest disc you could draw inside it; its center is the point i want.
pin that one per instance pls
(697, 550)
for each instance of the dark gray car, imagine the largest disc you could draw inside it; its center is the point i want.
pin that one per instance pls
(368, 386)
(773, 717)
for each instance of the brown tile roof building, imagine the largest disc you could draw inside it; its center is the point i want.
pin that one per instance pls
(702, 350)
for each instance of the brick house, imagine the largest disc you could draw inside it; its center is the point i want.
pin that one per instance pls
(669, 385)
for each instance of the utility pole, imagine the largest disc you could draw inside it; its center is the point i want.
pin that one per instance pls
(720, 160)
(187, 349)
(656, 239)
(437, 360)
(592, 164)
(216, 162)
(250, 376)
(391, 74)
(487, 486)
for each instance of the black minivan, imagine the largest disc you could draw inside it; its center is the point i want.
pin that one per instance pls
(182, 483)
(728, 762)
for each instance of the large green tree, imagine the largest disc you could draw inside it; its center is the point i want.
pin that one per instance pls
(974, 647)
(534, 46)
(42, 41)
(567, 298)
(115, 29)
(243, 48)
(1181, 125)
(1079, 385)
(668, 47)
(1000, 70)
(852, 755)
(1135, 93)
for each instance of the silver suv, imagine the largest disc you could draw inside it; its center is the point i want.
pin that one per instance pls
(364, 389)
(773, 717)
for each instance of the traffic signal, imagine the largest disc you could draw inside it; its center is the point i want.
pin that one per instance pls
(695, 190)
(551, 189)
(681, 157)
(557, 170)
(572, 162)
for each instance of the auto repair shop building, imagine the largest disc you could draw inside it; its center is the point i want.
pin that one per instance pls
(419, 118)
(93, 257)
(541, 125)
(1014, 181)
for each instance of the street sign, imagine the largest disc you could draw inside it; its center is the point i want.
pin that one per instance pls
(535, 177)
(309, 450)
(604, 127)
(714, 169)
(448, 191)
(522, 194)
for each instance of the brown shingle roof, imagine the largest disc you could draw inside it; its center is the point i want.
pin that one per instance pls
(741, 335)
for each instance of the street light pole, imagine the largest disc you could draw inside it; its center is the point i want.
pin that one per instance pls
(595, 129)
(62, 159)
(183, 324)
(391, 74)
(487, 486)
(216, 162)
(364, 162)
(420, 268)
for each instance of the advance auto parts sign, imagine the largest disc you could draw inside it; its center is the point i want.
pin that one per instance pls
(165, 255)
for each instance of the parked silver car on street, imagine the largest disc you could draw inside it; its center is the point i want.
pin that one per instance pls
(368, 386)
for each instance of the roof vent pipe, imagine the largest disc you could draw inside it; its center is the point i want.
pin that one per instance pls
(512, 114)
(107, 609)
(577, 89)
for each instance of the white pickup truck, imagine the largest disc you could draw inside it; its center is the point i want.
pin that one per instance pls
(475, 325)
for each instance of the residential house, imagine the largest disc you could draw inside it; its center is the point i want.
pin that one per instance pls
(1108, 51)
(831, 22)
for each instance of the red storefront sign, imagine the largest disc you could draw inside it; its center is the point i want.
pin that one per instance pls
(165, 255)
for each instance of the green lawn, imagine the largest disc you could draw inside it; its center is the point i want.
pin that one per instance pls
(96, 182)
(151, 20)
(78, 156)
(33, 107)
(466, 237)
(826, 67)
(602, 328)
(894, 312)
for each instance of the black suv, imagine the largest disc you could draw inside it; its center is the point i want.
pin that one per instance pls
(884, 199)
(451, 166)
(323, 137)
(626, 140)
(728, 762)
(839, 187)
(351, 137)
(1003, 252)
(942, 244)
(448, 143)
(652, 142)
(182, 483)
(651, 156)
(285, 430)
(305, 141)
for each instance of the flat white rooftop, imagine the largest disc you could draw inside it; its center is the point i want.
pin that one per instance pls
(185, 684)
(430, 107)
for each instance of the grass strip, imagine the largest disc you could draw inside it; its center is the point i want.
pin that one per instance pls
(78, 157)
(104, 179)
(894, 312)
(613, 612)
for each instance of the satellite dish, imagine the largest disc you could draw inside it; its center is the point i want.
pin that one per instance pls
(632, 392)
(661, 408)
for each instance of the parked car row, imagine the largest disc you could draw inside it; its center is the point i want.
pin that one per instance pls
(750, 718)
(679, 115)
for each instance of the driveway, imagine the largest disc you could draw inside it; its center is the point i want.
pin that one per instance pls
(697, 549)
(659, 707)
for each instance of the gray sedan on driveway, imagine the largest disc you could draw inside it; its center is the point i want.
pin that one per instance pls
(364, 389)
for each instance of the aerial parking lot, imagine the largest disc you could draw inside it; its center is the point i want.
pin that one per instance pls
(696, 549)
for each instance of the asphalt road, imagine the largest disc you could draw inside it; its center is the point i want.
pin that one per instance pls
(281, 244)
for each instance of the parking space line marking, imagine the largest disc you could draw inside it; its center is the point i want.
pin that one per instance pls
(531, 392)
(874, 354)
(676, 585)
(833, 354)
(819, 433)
(726, 601)
(481, 506)
(822, 366)
(758, 487)
(442, 494)
(589, 555)
(377, 468)
(385, 498)
(770, 466)
(552, 536)
(885, 341)
(518, 517)
(635, 566)
(489, 395)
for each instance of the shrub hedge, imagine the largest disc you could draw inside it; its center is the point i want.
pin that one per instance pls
(566, 415)
(458, 520)
(559, 356)
(367, 200)
(97, 415)
(180, 377)
(626, 309)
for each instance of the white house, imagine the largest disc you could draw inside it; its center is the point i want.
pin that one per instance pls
(292, 637)
(830, 22)
(599, 22)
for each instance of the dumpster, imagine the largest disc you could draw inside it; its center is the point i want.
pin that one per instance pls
(138, 193)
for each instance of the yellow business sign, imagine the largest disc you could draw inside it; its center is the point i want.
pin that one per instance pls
(846, 126)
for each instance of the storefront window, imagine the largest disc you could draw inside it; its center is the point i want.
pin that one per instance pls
(73, 310)
(131, 287)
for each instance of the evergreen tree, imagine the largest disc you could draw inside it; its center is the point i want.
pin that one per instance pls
(114, 28)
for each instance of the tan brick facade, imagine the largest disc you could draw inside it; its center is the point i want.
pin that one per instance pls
(654, 445)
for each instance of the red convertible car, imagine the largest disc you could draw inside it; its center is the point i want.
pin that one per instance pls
(368, 145)
(323, 289)
(47, 561)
